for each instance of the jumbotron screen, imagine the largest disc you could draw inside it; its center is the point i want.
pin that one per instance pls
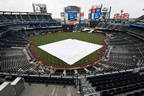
(72, 16)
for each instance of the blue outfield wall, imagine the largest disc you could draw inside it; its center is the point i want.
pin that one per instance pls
(37, 22)
(4, 25)
(136, 25)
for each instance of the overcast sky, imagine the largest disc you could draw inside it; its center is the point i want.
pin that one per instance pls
(134, 7)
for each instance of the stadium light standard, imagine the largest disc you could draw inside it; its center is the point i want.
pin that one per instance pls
(121, 12)
(121, 15)
(143, 9)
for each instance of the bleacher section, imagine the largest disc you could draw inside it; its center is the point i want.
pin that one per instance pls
(13, 59)
(139, 21)
(13, 17)
(13, 39)
(30, 19)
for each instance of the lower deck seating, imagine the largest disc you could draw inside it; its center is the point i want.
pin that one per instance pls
(81, 71)
(13, 59)
(139, 93)
(58, 72)
(69, 72)
(118, 83)
(13, 39)
(124, 52)
(50, 80)
(91, 68)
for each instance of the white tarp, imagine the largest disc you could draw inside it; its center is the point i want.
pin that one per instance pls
(70, 50)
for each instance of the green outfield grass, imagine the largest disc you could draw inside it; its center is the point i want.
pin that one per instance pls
(45, 39)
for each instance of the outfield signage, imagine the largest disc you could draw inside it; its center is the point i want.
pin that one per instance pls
(117, 16)
(107, 15)
(71, 16)
(72, 11)
(125, 16)
(3, 25)
(122, 16)
(93, 10)
(72, 22)
(82, 22)
(37, 22)
(98, 10)
(97, 15)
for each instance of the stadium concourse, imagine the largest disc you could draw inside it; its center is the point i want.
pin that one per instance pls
(119, 72)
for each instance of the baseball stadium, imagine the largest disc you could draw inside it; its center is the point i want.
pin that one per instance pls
(89, 50)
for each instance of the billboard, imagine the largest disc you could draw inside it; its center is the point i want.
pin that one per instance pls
(82, 18)
(40, 8)
(105, 9)
(93, 10)
(62, 14)
(125, 16)
(89, 16)
(98, 10)
(71, 16)
(82, 22)
(97, 15)
(72, 22)
(117, 16)
(62, 17)
(72, 9)
(107, 16)
(82, 14)
(122, 16)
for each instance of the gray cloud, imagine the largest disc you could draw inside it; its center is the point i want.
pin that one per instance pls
(134, 7)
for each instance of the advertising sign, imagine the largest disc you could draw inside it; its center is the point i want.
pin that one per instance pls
(40, 8)
(96, 15)
(107, 15)
(117, 16)
(93, 10)
(37, 9)
(62, 14)
(125, 15)
(71, 21)
(71, 16)
(98, 10)
(105, 9)
(72, 11)
(82, 22)
(89, 16)
(82, 14)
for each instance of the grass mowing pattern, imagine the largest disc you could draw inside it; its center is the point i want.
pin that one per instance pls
(45, 39)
